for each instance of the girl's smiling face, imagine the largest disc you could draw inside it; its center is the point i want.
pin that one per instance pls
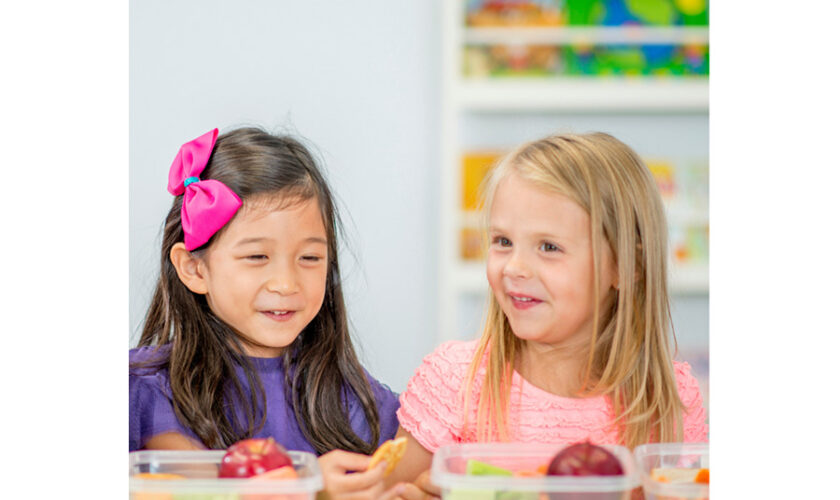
(265, 274)
(540, 264)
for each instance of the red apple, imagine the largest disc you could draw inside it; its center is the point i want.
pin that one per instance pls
(584, 459)
(250, 457)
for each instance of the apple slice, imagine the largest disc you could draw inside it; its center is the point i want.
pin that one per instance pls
(477, 468)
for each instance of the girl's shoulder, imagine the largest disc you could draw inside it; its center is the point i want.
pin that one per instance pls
(455, 351)
(442, 371)
(148, 361)
(451, 355)
(682, 371)
(687, 384)
(695, 424)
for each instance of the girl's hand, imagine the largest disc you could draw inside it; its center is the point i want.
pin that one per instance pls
(346, 477)
(422, 489)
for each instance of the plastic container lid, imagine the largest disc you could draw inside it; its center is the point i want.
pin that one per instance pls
(201, 468)
(672, 455)
(449, 464)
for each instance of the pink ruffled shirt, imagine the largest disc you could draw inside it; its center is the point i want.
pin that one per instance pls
(431, 408)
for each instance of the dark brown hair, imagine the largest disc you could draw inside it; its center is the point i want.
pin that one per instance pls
(321, 364)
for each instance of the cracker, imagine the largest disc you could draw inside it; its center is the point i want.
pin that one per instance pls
(390, 451)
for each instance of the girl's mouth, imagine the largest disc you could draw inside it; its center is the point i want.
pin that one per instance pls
(523, 302)
(278, 315)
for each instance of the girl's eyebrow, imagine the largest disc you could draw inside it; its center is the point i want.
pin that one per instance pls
(249, 240)
(311, 239)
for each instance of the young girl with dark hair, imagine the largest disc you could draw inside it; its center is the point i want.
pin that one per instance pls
(247, 333)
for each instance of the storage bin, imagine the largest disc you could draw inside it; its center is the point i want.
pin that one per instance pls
(450, 462)
(669, 456)
(200, 469)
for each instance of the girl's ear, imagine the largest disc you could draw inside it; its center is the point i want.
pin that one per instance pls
(189, 268)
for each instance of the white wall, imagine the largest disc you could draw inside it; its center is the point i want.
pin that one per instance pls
(363, 88)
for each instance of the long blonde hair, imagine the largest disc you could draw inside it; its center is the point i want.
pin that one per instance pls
(629, 350)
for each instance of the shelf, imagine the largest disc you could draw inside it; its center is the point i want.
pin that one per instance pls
(689, 279)
(687, 215)
(584, 94)
(600, 35)
(471, 278)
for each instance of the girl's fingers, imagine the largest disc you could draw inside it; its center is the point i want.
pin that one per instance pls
(394, 493)
(344, 461)
(424, 482)
(357, 481)
(413, 492)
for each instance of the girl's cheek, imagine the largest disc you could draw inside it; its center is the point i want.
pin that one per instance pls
(494, 270)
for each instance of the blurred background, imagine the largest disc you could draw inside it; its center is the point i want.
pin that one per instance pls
(406, 105)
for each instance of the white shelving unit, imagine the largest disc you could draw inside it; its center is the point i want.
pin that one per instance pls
(588, 94)
(461, 95)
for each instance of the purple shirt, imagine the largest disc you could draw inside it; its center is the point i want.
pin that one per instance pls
(151, 412)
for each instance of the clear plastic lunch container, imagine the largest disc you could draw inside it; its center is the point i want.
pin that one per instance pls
(200, 469)
(672, 455)
(450, 462)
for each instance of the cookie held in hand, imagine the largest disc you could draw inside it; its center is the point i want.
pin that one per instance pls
(390, 451)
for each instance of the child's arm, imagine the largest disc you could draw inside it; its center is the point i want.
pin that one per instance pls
(172, 441)
(414, 462)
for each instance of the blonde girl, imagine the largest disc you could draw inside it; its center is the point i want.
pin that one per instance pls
(576, 340)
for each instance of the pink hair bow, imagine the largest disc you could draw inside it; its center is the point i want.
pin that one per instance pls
(208, 204)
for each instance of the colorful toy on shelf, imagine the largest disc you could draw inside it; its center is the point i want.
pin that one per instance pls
(475, 165)
(649, 12)
(494, 13)
(587, 57)
(693, 12)
(584, 12)
(511, 60)
(689, 243)
(585, 60)
(664, 175)
(472, 247)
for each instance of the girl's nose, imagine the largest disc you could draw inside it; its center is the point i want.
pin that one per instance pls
(283, 282)
(517, 266)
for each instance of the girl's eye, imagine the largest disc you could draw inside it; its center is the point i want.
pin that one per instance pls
(311, 258)
(257, 257)
(549, 247)
(502, 241)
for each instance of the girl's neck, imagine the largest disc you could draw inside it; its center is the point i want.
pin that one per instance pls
(552, 368)
(254, 350)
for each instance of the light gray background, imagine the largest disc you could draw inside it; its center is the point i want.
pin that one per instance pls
(361, 83)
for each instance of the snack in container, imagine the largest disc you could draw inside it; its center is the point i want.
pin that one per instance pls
(674, 471)
(193, 475)
(515, 471)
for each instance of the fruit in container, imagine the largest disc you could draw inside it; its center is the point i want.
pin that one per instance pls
(251, 457)
(584, 459)
(285, 472)
(680, 475)
(478, 468)
(158, 475)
